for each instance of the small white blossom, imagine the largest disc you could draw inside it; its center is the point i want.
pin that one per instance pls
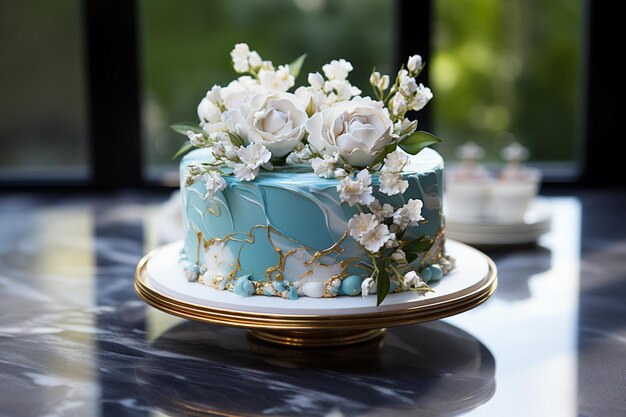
(404, 127)
(316, 80)
(245, 173)
(267, 65)
(381, 211)
(414, 63)
(374, 239)
(383, 84)
(222, 146)
(337, 70)
(214, 95)
(399, 256)
(239, 55)
(340, 173)
(254, 155)
(251, 158)
(196, 139)
(299, 156)
(357, 191)
(375, 78)
(325, 167)
(255, 60)
(280, 80)
(409, 214)
(368, 286)
(214, 183)
(422, 96)
(361, 223)
(210, 110)
(342, 89)
(398, 104)
(395, 161)
(379, 81)
(408, 86)
(411, 279)
(392, 243)
(190, 178)
(392, 183)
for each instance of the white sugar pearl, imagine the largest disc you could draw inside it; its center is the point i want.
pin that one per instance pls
(313, 289)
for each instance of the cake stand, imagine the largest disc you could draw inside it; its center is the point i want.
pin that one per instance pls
(314, 322)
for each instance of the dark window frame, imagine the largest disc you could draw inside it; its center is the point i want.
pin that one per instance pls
(112, 64)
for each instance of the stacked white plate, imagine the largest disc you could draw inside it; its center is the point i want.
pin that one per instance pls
(536, 222)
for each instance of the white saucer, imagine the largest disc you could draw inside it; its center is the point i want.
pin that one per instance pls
(536, 222)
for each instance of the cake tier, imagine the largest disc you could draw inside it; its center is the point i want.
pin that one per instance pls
(285, 233)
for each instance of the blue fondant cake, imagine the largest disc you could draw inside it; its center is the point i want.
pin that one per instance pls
(286, 233)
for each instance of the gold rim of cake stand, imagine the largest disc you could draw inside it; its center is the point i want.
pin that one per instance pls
(310, 330)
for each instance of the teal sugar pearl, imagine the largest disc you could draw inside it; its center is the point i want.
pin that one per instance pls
(426, 274)
(351, 285)
(436, 271)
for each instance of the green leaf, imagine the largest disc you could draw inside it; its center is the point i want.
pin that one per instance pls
(382, 283)
(381, 156)
(411, 256)
(235, 138)
(296, 66)
(414, 143)
(423, 244)
(183, 127)
(183, 149)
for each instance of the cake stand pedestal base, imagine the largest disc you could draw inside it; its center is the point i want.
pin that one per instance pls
(317, 338)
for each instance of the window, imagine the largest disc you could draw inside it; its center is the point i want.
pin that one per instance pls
(501, 70)
(509, 70)
(42, 110)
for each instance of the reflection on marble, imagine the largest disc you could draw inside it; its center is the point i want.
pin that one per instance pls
(516, 266)
(76, 341)
(220, 370)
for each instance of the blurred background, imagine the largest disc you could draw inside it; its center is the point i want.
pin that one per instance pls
(500, 71)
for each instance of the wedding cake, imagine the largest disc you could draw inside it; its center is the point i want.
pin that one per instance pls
(319, 192)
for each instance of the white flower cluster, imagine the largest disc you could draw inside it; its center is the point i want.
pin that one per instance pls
(322, 93)
(254, 122)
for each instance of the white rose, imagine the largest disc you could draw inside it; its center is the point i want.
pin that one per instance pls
(357, 130)
(274, 119)
(239, 91)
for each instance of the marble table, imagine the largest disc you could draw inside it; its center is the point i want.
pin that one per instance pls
(75, 340)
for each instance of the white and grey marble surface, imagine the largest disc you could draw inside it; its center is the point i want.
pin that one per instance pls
(75, 340)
